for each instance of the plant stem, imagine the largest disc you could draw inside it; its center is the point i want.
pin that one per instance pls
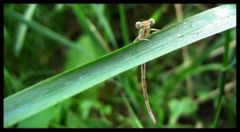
(222, 79)
(185, 52)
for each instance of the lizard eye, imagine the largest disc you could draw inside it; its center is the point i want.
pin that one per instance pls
(138, 25)
(152, 21)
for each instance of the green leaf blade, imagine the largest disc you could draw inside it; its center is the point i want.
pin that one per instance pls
(57, 88)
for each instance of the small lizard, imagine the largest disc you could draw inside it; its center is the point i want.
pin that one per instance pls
(144, 31)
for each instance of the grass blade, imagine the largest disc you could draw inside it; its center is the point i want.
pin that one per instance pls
(157, 15)
(62, 86)
(123, 24)
(44, 30)
(132, 113)
(222, 80)
(90, 29)
(6, 35)
(22, 29)
(11, 83)
(99, 10)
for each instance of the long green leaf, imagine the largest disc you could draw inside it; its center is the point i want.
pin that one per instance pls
(222, 80)
(22, 29)
(99, 10)
(157, 15)
(123, 24)
(132, 113)
(43, 30)
(90, 29)
(60, 87)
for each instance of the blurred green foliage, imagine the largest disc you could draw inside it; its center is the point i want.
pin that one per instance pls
(46, 48)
